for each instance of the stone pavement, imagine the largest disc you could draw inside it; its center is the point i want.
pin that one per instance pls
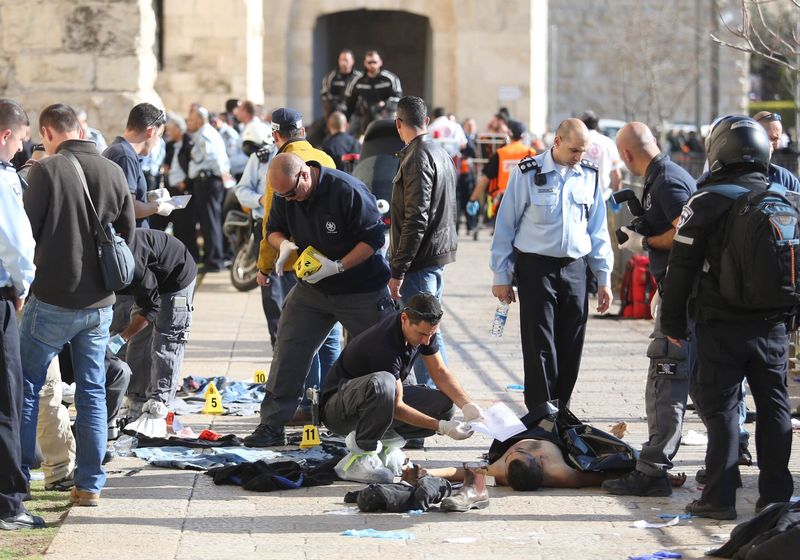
(169, 514)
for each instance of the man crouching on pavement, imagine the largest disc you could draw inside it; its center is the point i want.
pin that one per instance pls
(364, 398)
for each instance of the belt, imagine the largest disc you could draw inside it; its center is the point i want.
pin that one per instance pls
(561, 261)
(8, 292)
(205, 174)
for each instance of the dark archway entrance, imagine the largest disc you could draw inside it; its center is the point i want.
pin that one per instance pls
(402, 39)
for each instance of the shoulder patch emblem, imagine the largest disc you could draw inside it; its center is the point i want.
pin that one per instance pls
(589, 164)
(686, 215)
(527, 164)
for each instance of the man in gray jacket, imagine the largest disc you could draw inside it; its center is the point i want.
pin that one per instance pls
(423, 234)
(69, 301)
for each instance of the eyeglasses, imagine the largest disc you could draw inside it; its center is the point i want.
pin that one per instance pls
(432, 318)
(293, 192)
(770, 117)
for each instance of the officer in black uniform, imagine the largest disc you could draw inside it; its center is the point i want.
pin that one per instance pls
(667, 188)
(373, 95)
(734, 339)
(335, 83)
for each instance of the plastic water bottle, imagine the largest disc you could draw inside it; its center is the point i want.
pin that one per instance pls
(499, 322)
(125, 445)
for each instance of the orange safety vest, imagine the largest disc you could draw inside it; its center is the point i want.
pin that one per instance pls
(508, 157)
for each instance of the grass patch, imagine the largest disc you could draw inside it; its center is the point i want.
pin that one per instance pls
(30, 544)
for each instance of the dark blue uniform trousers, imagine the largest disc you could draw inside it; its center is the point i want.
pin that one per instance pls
(728, 352)
(209, 193)
(553, 312)
(13, 484)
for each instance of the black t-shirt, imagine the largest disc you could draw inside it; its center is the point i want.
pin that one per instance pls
(667, 189)
(122, 153)
(339, 144)
(492, 168)
(163, 265)
(340, 214)
(382, 347)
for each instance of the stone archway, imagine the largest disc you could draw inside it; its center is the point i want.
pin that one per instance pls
(293, 42)
(401, 38)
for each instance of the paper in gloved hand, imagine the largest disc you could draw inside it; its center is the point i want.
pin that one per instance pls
(500, 422)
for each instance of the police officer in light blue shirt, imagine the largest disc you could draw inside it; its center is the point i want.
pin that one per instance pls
(208, 168)
(552, 217)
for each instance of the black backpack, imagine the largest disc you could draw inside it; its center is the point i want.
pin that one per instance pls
(773, 534)
(759, 267)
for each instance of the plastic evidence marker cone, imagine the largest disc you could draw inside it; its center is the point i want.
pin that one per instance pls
(260, 376)
(213, 400)
(310, 437)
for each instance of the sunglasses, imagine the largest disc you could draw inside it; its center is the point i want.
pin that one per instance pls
(293, 192)
(158, 121)
(771, 117)
(431, 318)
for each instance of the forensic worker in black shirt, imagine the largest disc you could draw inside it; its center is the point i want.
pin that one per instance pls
(364, 399)
(667, 188)
(162, 290)
(335, 214)
(737, 338)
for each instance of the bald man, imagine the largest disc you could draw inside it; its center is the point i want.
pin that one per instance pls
(335, 214)
(774, 127)
(667, 188)
(551, 221)
(339, 142)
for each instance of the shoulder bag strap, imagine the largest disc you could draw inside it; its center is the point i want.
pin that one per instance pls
(82, 176)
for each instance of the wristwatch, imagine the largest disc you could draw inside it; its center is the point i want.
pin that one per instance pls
(645, 245)
(339, 266)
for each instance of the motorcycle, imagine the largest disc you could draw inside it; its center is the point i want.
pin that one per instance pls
(238, 229)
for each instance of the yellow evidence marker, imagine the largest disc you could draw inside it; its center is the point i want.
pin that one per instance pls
(213, 401)
(260, 376)
(310, 436)
(307, 263)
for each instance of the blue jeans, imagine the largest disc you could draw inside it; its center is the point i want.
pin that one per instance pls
(323, 361)
(427, 280)
(44, 331)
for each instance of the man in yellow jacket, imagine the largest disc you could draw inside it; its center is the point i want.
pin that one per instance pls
(290, 137)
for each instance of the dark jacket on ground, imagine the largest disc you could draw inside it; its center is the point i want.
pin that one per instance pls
(423, 208)
(67, 270)
(163, 266)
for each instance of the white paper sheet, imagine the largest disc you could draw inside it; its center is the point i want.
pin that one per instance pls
(500, 422)
(179, 201)
(642, 524)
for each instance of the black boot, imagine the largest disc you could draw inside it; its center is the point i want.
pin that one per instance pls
(637, 483)
(266, 436)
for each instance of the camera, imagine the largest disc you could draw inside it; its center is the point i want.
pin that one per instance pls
(638, 224)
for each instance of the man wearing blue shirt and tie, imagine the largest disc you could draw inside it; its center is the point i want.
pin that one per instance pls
(552, 217)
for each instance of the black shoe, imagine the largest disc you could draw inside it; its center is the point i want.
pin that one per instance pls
(108, 457)
(22, 520)
(750, 417)
(266, 436)
(744, 455)
(702, 509)
(762, 504)
(701, 477)
(63, 485)
(637, 483)
(415, 443)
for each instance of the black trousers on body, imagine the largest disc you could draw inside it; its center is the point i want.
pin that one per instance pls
(553, 312)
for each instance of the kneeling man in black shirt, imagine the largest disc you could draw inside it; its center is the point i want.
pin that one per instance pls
(364, 398)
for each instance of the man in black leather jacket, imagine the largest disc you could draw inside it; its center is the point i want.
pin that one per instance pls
(423, 233)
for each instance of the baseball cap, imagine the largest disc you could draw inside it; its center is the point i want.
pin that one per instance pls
(517, 129)
(286, 119)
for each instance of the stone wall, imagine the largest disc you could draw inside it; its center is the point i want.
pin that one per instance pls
(212, 52)
(637, 59)
(97, 55)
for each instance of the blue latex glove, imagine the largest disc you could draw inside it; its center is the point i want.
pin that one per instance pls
(657, 555)
(115, 343)
(472, 207)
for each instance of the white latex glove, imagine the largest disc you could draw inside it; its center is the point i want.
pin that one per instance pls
(284, 251)
(454, 429)
(634, 241)
(165, 209)
(328, 268)
(472, 412)
(654, 303)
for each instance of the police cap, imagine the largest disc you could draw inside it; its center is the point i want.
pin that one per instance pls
(286, 120)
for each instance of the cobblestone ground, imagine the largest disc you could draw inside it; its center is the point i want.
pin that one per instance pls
(156, 513)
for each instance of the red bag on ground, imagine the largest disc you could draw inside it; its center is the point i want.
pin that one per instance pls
(638, 288)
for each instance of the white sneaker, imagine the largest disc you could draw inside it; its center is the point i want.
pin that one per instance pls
(362, 466)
